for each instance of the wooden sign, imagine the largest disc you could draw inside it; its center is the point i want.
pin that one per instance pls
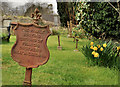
(30, 49)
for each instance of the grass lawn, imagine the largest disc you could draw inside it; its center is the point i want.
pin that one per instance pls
(64, 67)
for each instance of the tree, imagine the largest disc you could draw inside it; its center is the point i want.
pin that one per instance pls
(66, 12)
(101, 19)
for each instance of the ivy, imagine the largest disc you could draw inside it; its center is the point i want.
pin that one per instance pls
(99, 18)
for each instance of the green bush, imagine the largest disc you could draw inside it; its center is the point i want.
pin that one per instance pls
(99, 18)
(102, 53)
(4, 37)
(55, 32)
(79, 33)
(102, 18)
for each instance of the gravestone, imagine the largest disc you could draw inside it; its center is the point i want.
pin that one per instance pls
(6, 22)
(30, 49)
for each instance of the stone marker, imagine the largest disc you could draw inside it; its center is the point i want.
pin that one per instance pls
(30, 49)
(59, 47)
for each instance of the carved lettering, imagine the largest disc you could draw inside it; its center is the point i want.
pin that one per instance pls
(28, 53)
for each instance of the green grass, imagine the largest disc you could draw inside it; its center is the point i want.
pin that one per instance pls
(64, 67)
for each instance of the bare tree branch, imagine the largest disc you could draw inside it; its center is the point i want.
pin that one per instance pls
(118, 5)
(114, 7)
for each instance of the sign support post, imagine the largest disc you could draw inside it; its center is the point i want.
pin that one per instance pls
(28, 76)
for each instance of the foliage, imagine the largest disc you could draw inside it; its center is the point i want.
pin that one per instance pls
(78, 33)
(66, 12)
(55, 32)
(62, 11)
(102, 53)
(4, 37)
(63, 31)
(99, 18)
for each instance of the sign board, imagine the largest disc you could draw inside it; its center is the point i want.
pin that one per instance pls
(30, 49)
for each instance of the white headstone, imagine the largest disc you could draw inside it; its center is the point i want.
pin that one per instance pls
(6, 22)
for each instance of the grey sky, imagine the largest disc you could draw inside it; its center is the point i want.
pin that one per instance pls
(22, 2)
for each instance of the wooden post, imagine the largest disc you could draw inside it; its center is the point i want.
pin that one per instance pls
(70, 28)
(59, 47)
(58, 40)
(28, 76)
(76, 45)
(74, 39)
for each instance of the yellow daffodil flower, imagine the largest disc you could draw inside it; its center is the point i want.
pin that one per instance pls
(118, 48)
(91, 43)
(95, 48)
(98, 46)
(96, 54)
(101, 49)
(91, 47)
(93, 52)
(104, 45)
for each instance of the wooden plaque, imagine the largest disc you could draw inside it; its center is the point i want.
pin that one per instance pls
(30, 49)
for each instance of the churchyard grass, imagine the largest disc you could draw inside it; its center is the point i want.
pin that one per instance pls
(65, 67)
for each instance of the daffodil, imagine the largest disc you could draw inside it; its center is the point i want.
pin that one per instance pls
(91, 43)
(95, 48)
(93, 52)
(91, 47)
(101, 49)
(98, 46)
(96, 54)
(118, 48)
(104, 45)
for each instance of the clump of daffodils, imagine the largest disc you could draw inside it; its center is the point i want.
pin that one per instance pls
(98, 48)
(102, 53)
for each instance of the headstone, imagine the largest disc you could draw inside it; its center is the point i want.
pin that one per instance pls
(6, 22)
